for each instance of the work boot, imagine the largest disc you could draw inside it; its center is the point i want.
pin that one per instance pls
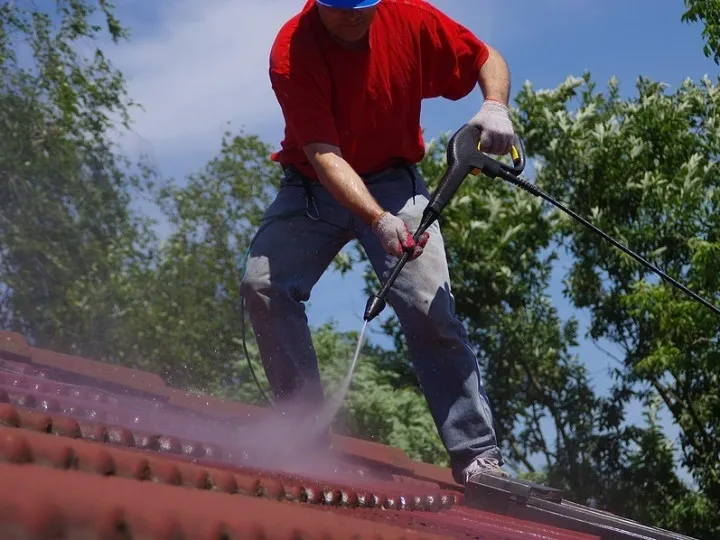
(482, 465)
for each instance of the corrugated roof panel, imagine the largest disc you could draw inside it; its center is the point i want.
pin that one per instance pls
(44, 503)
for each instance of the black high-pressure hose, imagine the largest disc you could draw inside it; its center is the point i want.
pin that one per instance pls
(465, 157)
(534, 190)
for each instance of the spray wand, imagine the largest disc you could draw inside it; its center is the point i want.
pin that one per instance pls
(463, 157)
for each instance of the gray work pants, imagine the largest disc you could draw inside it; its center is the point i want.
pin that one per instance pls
(290, 255)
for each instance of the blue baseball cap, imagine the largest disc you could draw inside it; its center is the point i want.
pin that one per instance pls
(348, 4)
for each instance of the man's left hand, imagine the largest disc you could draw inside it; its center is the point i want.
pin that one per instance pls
(496, 129)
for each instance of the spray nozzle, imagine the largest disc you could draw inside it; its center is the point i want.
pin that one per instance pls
(374, 307)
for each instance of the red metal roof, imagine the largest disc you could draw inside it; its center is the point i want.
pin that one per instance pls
(93, 450)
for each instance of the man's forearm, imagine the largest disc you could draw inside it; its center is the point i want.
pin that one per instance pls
(343, 182)
(494, 78)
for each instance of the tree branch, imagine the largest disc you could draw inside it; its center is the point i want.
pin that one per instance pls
(550, 404)
(687, 404)
(617, 360)
(543, 441)
(522, 457)
(672, 407)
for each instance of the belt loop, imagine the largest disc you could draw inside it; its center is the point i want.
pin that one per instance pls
(413, 180)
(309, 195)
(310, 199)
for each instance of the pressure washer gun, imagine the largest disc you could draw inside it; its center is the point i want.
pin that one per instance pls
(465, 157)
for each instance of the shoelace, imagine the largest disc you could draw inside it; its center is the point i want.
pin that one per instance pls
(482, 464)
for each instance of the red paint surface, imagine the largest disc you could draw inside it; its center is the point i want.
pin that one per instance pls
(91, 450)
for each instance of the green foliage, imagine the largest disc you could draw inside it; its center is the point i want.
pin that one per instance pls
(708, 13)
(85, 96)
(645, 171)
(67, 237)
(186, 315)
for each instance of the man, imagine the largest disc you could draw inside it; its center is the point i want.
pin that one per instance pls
(350, 76)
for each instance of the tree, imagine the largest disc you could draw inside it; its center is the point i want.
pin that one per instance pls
(186, 313)
(501, 244)
(706, 12)
(66, 231)
(645, 171)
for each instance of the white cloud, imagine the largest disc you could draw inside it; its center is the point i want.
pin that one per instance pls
(203, 64)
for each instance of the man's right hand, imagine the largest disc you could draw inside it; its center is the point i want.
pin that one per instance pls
(396, 238)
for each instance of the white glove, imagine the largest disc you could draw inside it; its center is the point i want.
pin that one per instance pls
(396, 237)
(496, 129)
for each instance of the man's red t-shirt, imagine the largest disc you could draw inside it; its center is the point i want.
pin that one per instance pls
(367, 102)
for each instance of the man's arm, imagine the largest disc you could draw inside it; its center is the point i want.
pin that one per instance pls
(346, 186)
(492, 119)
(455, 61)
(343, 183)
(494, 77)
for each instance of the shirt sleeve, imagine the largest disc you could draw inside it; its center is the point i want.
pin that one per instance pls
(304, 95)
(451, 56)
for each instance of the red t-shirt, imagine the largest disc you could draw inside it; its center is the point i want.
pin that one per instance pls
(367, 102)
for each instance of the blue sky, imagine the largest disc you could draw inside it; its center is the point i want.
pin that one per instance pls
(196, 65)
